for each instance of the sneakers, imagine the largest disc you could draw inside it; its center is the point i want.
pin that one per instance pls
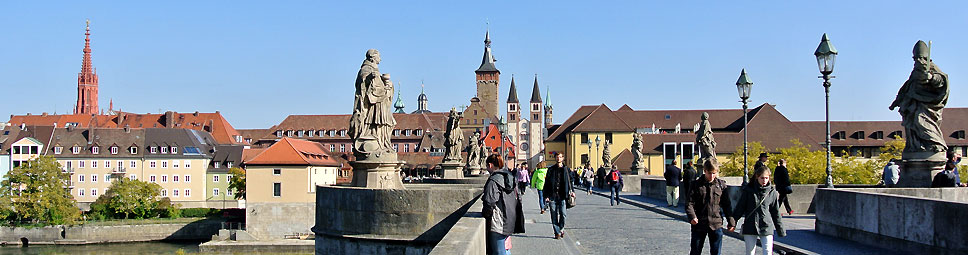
(790, 212)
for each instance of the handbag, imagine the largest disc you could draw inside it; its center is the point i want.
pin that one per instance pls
(571, 201)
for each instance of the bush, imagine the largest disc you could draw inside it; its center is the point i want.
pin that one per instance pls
(198, 212)
(167, 209)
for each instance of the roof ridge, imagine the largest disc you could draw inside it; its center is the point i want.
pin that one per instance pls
(610, 112)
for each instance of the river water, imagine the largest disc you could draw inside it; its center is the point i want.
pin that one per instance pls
(115, 248)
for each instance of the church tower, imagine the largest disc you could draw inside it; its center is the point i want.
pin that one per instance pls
(488, 78)
(87, 80)
(548, 108)
(514, 113)
(535, 134)
(422, 101)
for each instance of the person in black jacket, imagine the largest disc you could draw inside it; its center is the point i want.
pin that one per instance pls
(557, 189)
(781, 176)
(673, 175)
(688, 177)
(946, 178)
(708, 206)
(502, 206)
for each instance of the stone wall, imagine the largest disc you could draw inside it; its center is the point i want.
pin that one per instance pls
(914, 220)
(199, 230)
(276, 220)
(467, 236)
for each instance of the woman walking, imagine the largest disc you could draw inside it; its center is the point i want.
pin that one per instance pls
(759, 205)
(537, 182)
(502, 206)
(524, 177)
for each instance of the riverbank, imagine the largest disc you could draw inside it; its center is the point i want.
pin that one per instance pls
(109, 232)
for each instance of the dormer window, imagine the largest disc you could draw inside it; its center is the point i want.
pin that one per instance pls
(228, 164)
(309, 133)
(75, 150)
(216, 163)
(114, 150)
(289, 133)
(879, 135)
(154, 149)
(342, 132)
(95, 150)
(278, 133)
(164, 150)
(174, 149)
(133, 150)
(57, 150)
(300, 133)
(409, 132)
(396, 132)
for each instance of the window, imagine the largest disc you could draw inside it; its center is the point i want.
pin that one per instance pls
(300, 133)
(174, 192)
(164, 178)
(396, 132)
(276, 171)
(289, 133)
(93, 179)
(342, 132)
(406, 147)
(309, 133)
(342, 148)
(69, 164)
(409, 132)
(608, 138)
(93, 192)
(188, 164)
(174, 164)
(396, 147)
(93, 163)
(107, 178)
(215, 178)
(278, 133)
(57, 150)
(133, 150)
(107, 164)
(133, 177)
(228, 192)
(228, 164)
(215, 192)
(80, 178)
(151, 164)
(513, 107)
(164, 192)
(134, 164)
(174, 178)
(188, 192)
(95, 150)
(216, 164)
(535, 107)
(332, 147)
(584, 138)
(80, 163)
(114, 150)
(151, 178)
(174, 150)
(120, 164)
(277, 189)
(188, 178)
(164, 150)
(154, 150)
(75, 150)
(80, 192)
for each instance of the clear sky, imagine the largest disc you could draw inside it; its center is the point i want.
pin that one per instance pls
(258, 62)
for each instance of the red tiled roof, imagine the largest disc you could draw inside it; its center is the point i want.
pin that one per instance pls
(289, 151)
(214, 123)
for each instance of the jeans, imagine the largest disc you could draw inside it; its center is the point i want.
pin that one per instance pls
(541, 201)
(765, 241)
(699, 233)
(613, 198)
(558, 215)
(495, 243)
(672, 195)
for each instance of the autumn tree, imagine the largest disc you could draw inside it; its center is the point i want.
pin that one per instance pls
(237, 182)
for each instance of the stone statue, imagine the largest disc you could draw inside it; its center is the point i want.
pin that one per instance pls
(473, 152)
(637, 162)
(454, 137)
(482, 160)
(704, 138)
(606, 155)
(920, 102)
(372, 121)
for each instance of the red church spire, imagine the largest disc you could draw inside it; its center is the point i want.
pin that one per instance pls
(87, 80)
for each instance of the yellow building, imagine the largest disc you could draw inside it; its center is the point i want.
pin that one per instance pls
(288, 172)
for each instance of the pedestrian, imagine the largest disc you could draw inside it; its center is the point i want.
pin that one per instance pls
(502, 206)
(759, 205)
(762, 161)
(523, 177)
(955, 158)
(615, 183)
(782, 178)
(589, 179)
(708, 203)
(891, 173)
(673, 177)
(946, 178)
(688, 177)
(537, 182)
(557, 189)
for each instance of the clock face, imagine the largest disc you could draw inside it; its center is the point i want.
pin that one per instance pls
(524, 146)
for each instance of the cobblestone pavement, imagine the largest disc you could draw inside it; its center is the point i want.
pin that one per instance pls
(595, 227)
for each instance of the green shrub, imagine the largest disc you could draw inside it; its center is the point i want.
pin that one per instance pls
(198, 212)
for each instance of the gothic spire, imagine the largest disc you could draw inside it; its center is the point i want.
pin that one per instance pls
(513, 94)
(487, 64)
(87, 68)
(535, 93)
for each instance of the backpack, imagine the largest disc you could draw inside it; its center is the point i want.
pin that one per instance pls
(614, 176)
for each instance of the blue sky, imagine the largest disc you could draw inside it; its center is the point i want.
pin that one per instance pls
(258, 62)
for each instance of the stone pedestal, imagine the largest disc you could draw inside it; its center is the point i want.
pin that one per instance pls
(377, 174)
(918, 173)
(638, 171)
(453, 170)
(475, 171)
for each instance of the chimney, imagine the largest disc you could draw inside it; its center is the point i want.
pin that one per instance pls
(195, 114)
(28, 114)
(127, 129)
(44, 114)
(169, 119)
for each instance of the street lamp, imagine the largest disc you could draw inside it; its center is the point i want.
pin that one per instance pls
(502, 128)
(743, 86)
(598, 142)
(826, 54)
(589, 162)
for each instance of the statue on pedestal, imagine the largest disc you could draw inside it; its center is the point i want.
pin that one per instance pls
(606, 155)
(920, 102)
(474, 152)
(371, 124)
(704, 138)
(638, 165)
(454, 137)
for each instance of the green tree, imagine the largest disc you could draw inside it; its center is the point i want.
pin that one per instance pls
(237, 182)
(810, 166)
(37, 192)
(128, 198)
(734, 162)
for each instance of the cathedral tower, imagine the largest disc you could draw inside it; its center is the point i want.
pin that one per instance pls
(87, 80)
(488, 78)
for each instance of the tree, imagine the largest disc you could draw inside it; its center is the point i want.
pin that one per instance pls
(128, 198)
(810, 166)
(237, 182)
(37, 192)
(734, 162)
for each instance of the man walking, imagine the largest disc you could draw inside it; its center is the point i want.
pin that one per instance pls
(615, 185)
(708, 200)
(688, 177)
(781, 176)
(762, 160)
(557, 189)
(673, 175)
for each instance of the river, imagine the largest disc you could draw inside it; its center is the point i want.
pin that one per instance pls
(114, 248)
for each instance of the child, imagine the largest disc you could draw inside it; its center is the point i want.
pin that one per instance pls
(707, 198)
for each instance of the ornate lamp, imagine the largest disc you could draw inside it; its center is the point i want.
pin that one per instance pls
(743, 86)
(826, 55)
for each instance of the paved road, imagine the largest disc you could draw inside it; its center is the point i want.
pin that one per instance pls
(594, 227)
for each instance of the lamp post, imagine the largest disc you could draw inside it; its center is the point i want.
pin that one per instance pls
(598, 142)
(743, 86)
(589, 162)
(502, 128)
(826, 54)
